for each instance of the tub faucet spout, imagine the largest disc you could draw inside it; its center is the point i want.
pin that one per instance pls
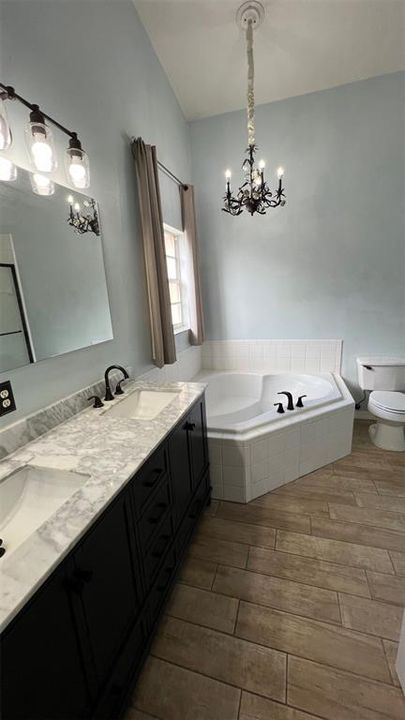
(290, 404)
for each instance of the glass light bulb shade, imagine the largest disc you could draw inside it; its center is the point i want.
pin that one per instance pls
(262, 164)
(40, 147)
(77, 168)
(8, 171)
(228, 174)
(70, 199)
(5, 132)
(76, 206)
(42, 185)
(280, 172)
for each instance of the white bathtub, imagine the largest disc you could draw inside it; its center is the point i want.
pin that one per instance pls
(253, 448)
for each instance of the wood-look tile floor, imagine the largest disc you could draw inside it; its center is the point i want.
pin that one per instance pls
(289, 608)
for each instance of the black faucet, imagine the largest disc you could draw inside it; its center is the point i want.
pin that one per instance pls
(290, 405)
(299, 401)
(280, 408)
(108, 393)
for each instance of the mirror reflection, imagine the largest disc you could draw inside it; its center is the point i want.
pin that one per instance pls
(53, 291)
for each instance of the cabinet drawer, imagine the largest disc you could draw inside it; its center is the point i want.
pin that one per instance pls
(161, 586)
(148, 478)
(154, 513)
(159, 545)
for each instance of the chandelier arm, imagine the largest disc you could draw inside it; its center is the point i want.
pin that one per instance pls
(250, 85)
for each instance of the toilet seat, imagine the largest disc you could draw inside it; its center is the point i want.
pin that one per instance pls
(389, 402)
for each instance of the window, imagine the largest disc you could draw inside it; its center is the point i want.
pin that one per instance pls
(174, 247)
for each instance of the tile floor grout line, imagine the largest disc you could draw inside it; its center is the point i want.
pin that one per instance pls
(281, 652)
(312, 557)
(328, 623)
(363, 569)
(212, 677)
(388, 662)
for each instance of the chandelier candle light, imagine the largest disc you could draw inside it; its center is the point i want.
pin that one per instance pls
(254, 195)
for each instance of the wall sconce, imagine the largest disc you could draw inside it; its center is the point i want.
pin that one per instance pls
(41, 184)
(79, 221)
(39, 141)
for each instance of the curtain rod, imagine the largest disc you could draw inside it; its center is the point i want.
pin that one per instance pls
(171, 175)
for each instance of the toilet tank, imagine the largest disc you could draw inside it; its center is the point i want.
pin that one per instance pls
(381, 372)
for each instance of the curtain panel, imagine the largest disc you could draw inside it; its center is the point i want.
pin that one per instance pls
(195, 297)
(163, 342)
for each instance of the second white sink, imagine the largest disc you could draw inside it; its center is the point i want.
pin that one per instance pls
(29, 496)
(143, 404)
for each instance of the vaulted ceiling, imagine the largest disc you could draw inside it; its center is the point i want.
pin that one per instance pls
(302, 46)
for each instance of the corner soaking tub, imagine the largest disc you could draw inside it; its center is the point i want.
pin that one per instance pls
(254, 449)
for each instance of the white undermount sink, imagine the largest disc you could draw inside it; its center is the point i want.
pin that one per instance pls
(143, 404)
(28, 497)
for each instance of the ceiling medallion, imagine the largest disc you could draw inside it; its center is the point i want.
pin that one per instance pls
(254, 195)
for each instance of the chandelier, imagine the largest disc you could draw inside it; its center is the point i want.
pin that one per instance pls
(254, 195)
(86, 221)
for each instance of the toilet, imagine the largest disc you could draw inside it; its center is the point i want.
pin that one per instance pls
(385, 377)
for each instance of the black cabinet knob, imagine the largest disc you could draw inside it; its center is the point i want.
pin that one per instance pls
(189, 426)
(150, 483)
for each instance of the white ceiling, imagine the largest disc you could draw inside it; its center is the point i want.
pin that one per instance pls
(302, 46)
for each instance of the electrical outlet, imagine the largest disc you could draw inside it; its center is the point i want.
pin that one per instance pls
(7, 402)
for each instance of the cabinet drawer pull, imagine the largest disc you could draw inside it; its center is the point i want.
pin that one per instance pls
(150, 483)
(83, 575)
(189, 426)
(159, 553)
(169, 571)
(155, 519)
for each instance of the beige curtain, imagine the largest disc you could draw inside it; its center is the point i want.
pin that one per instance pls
(163, 343)
(195, 299)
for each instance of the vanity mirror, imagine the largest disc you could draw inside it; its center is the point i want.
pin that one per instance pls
(53, 292)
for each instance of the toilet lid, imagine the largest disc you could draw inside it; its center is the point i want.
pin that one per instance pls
(389, 400)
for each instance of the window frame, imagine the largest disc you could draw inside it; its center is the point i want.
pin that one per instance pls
(179, 257)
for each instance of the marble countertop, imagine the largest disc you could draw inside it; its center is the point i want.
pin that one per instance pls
(109, 450)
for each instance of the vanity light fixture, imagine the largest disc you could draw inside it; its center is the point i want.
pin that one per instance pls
(40, 144)
(81, 222)
(254, 195)
(5, 132)
(42, 184)
(8, 171)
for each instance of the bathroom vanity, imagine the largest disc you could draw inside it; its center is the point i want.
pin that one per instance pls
(75, 647)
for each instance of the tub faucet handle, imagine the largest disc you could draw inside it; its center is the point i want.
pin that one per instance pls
(299, 401)
(280, 408)
(290, 404)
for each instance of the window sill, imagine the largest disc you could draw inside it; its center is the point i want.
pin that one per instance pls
(181, 329)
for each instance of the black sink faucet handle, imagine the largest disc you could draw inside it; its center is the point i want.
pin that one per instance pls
(299, 401)
(290, 404)
(108, 393)
(97, 401)
(280, 408)
(118, 389)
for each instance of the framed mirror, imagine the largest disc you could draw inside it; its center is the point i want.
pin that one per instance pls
(53, 291)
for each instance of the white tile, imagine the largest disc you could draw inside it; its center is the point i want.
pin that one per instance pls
(233, 476)
(234, 494)
(259, 471)
(233, 454)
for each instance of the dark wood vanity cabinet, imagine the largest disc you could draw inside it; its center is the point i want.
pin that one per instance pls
(76, 648)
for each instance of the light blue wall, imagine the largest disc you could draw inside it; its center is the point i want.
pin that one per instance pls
(331, 264)
(90, 65)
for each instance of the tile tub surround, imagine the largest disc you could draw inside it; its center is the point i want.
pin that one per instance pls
(109, 450)
(261, 460)
(283, 590)
(18, 434)
(311, 356)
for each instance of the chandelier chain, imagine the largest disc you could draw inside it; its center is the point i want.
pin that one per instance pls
(250, 84)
